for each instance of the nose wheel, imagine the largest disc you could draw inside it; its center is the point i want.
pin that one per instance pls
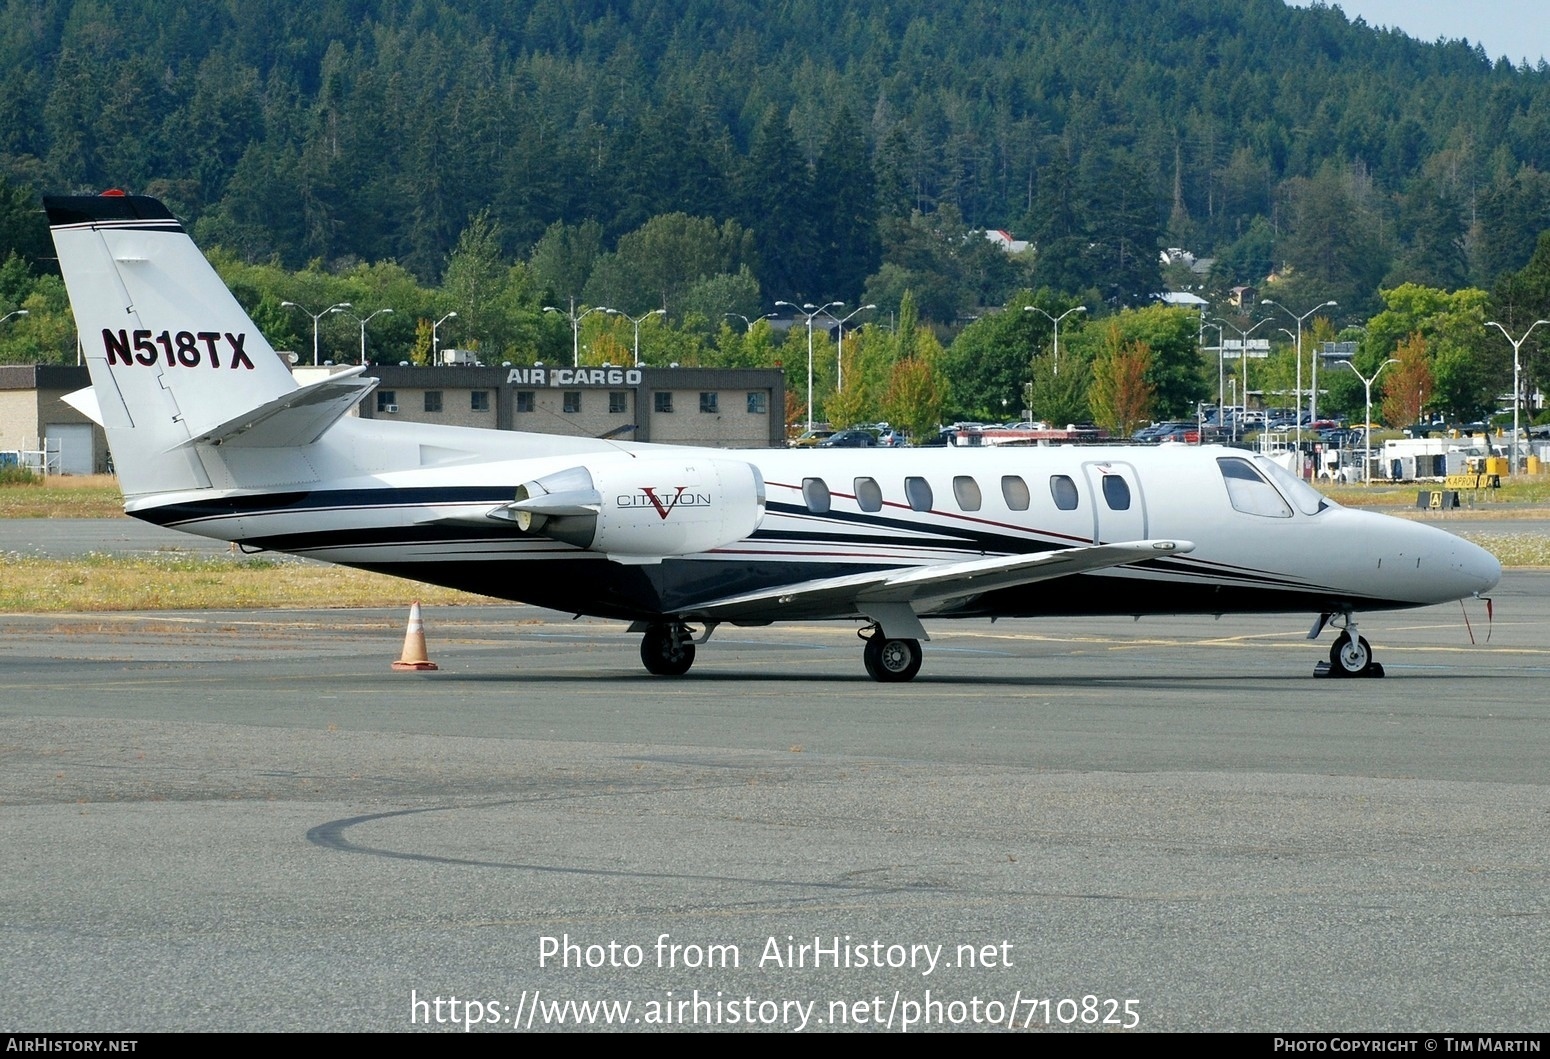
(1349, 656)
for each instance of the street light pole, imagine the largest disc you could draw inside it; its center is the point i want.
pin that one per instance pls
(1243, 367)
(575, 326)
(337, 307)
(436, 335)
(1221, 371)
(801, 310)
(1055, 320)
(363, 323)
(1367, 425)
(749, 323)
(1517, 386)
(839, 356)
(637, 322)
(1300, 319)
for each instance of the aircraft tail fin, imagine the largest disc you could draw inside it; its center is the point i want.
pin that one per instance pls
(174, 359)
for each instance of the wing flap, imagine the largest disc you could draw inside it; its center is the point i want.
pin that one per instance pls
(878, 593)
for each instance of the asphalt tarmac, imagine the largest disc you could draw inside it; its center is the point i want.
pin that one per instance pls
(246, 821)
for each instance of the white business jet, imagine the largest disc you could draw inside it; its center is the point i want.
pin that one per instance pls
(210, 434)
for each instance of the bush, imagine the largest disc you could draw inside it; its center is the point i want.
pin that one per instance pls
(11, 474)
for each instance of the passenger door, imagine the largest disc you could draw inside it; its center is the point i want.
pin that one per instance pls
(1119, 506)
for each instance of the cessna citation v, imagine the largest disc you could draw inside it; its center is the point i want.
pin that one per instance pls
(211, 434)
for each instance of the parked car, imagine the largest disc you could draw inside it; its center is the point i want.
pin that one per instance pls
(808, 438)
(849, 439)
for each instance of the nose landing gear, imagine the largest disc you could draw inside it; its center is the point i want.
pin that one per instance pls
(1350, 655)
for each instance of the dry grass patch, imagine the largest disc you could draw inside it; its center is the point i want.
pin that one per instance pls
(1514, 493)
(63, 496)
(107, 583)
(1512, 549)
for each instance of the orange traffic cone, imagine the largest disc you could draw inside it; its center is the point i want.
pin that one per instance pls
(414, 645)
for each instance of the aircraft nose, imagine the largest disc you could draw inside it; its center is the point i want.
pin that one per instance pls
(1465, 569)
(1479, 568)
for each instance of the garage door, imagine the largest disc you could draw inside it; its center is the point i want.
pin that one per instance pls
(73, 441)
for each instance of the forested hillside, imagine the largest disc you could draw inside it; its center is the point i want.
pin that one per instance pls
(803, 150)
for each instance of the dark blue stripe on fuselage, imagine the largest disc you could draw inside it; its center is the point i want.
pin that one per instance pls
(674, 583)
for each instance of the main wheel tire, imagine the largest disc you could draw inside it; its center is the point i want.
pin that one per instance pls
(891, 661)
(660, 655)
(1350, 658)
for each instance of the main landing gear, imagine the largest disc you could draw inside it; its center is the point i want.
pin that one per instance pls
(667, 650)
(889, 661)
(1350, 655)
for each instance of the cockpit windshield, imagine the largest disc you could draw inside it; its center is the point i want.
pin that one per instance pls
(1259, 486)
(1303, 496)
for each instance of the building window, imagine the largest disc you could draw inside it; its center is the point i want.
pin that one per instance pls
(479, 400)
(663, 401)
(387, 401)
(618, 401)
(758, 402)
(525, 400)
(708, 403)
(572, 400)
(433, 400)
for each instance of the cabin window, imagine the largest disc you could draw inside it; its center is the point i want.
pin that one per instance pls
(572, 401)
(869, 495)
(1116, 492)
(618, 401)
(918, 492)
(1248, 490)
(815, 493)
(433, 400)
(1063, 490)
(525, 400)
(967, 492)
(1015, 492)
(663, 401)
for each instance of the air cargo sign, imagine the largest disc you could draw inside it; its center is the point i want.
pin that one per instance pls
(573, 377)
(182, 349)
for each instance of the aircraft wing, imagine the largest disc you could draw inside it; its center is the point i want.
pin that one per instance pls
(895, 597)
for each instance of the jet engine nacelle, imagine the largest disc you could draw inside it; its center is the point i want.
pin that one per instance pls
(644, 508)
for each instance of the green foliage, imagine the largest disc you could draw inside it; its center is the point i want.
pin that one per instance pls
(1175, 372)
(473, 283)
(1463, 369)
(307, 140)
(14, 475)
(657, 265)
(1121, 396)
(992, 360)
